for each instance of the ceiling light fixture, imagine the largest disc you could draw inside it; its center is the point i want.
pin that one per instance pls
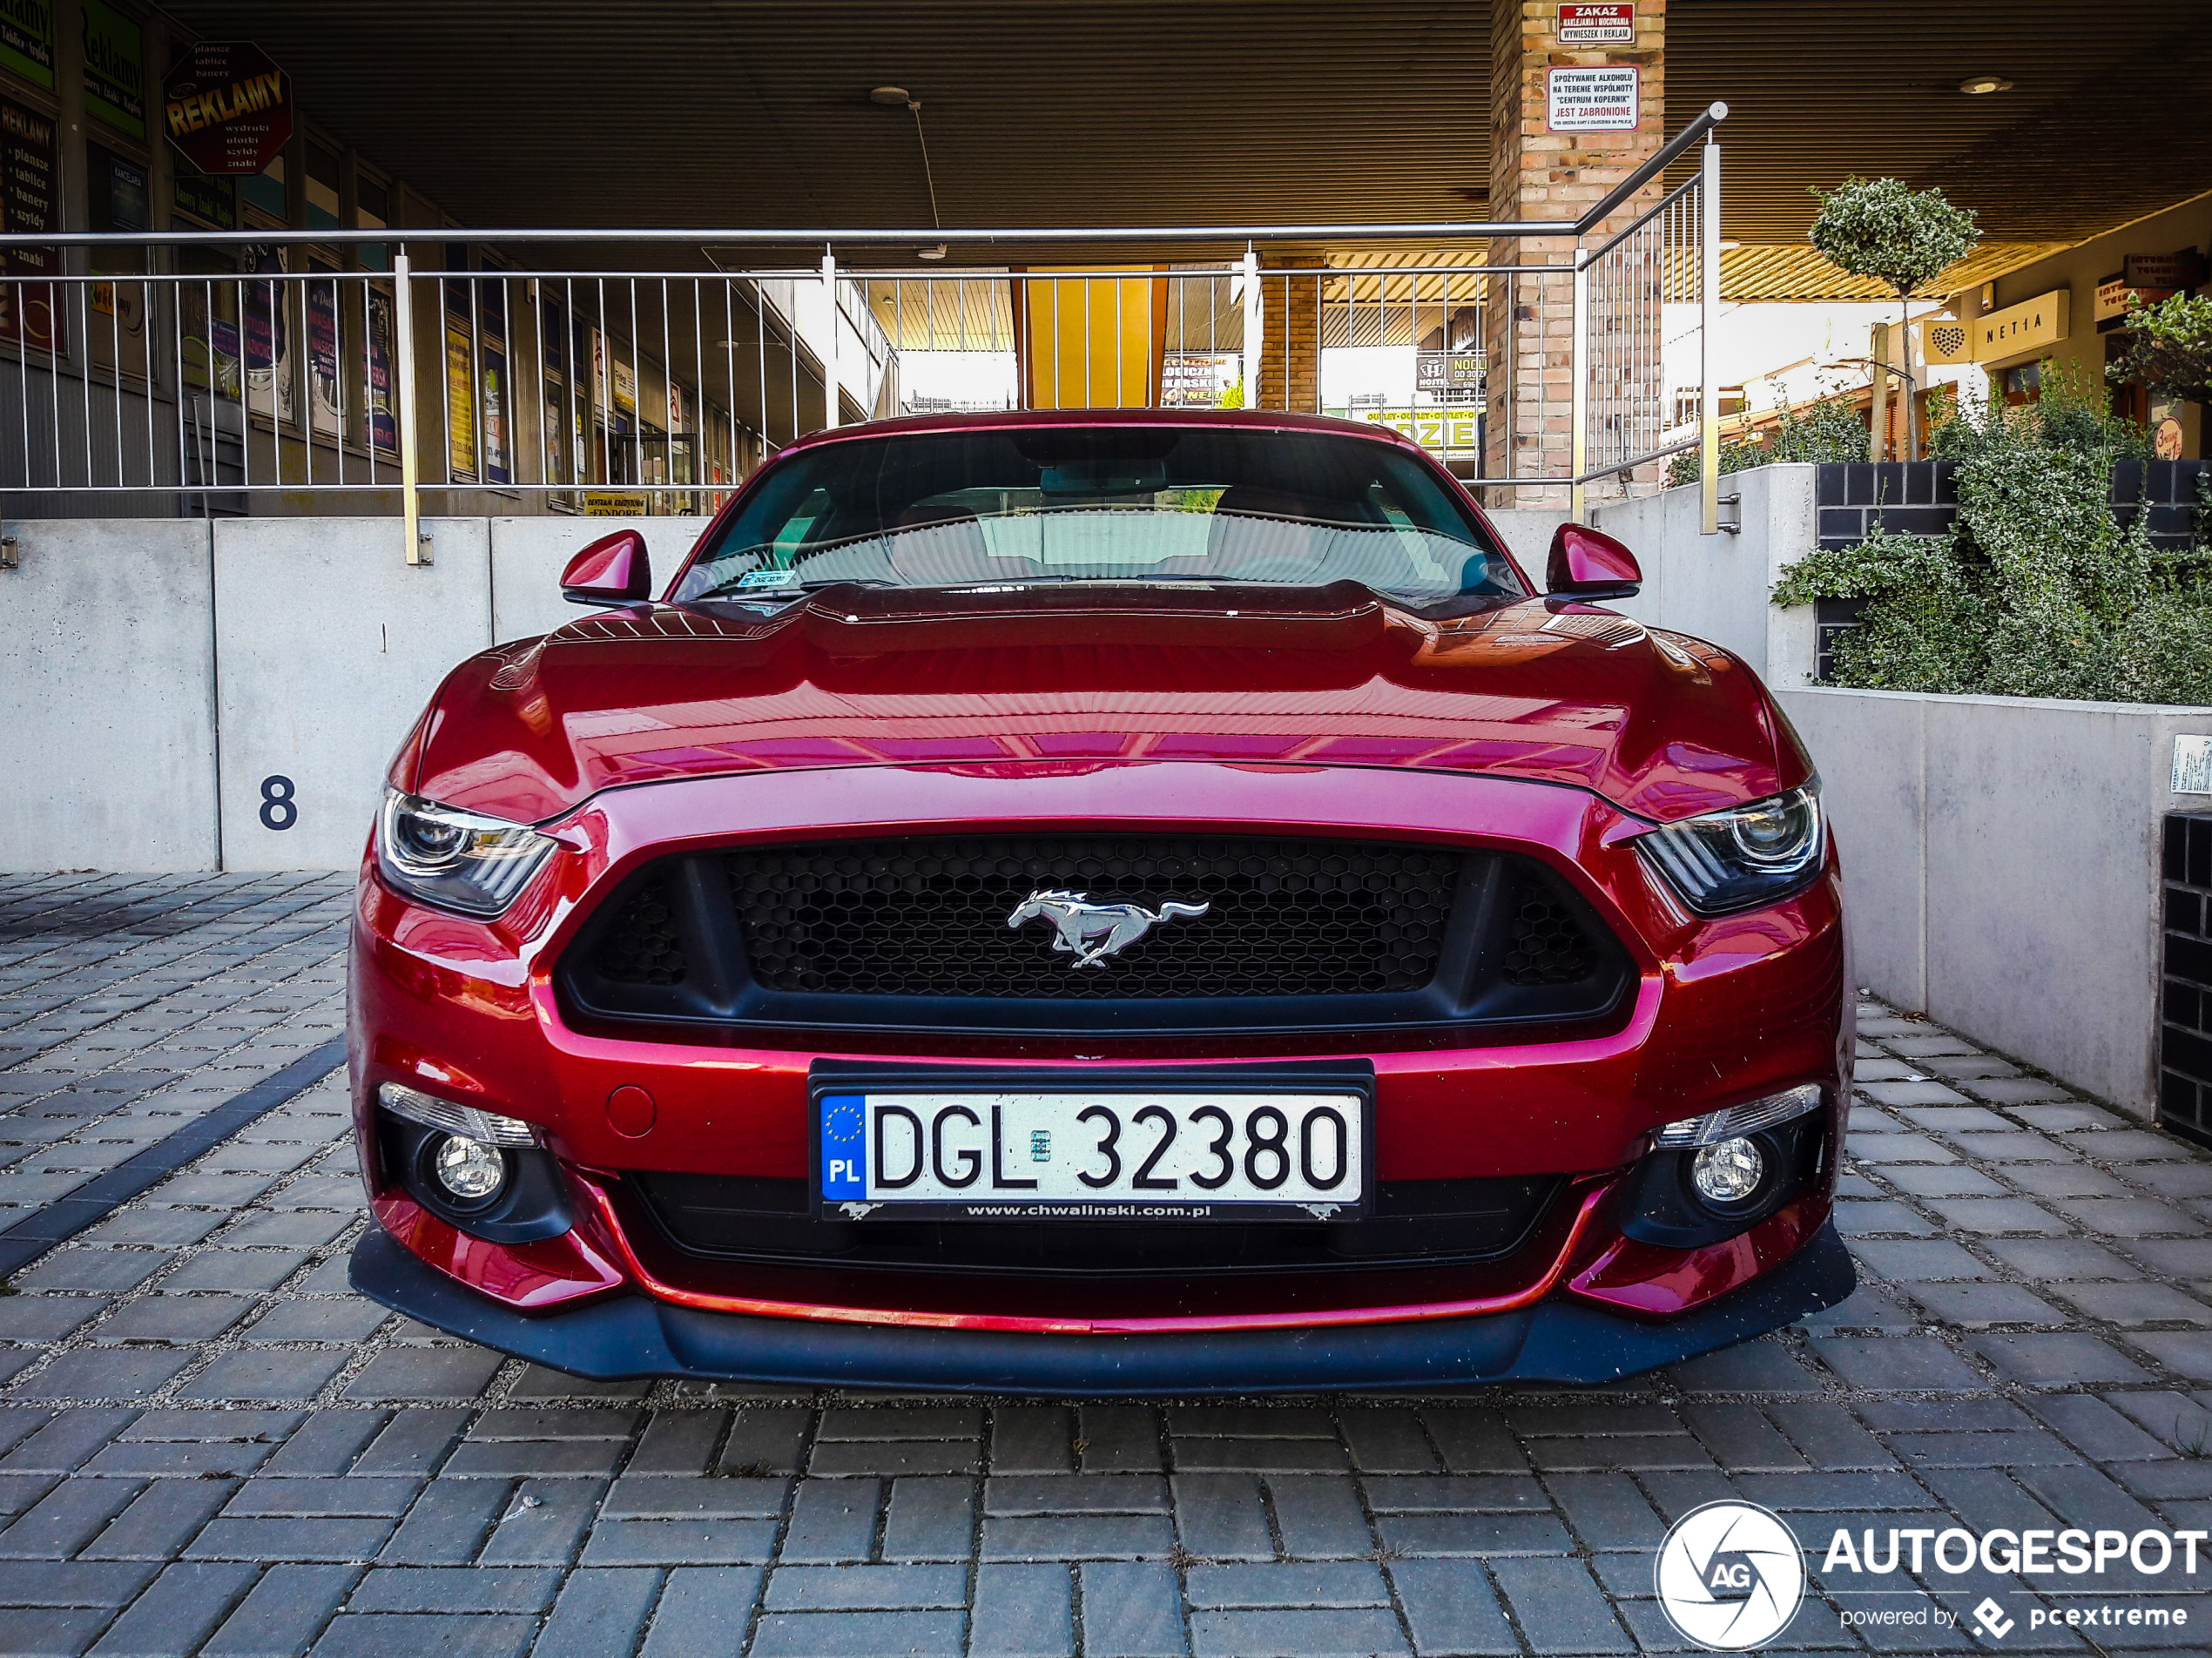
(1976, 86)
(891, 97)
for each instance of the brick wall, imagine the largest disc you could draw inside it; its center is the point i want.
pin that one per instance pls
(2185, 1026)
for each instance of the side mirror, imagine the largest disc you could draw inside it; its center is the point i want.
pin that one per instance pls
(612, 570)
(1586, 565)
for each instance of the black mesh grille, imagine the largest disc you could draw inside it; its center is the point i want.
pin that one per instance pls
(641, 948)
(1283, 917)
(1547, 944)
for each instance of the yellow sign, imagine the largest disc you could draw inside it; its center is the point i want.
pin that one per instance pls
(1946, 342)
(615, 503)
(1455, 427)
(2019, 330)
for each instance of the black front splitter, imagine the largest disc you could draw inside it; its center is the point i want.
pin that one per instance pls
(1557, 1340)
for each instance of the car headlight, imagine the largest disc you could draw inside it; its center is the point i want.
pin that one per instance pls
(454, 859)
(1743, 857)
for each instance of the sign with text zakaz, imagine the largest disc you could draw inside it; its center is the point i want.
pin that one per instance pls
(227, 107)
(1612, 24)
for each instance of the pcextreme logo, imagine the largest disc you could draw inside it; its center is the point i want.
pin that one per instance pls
(1730, 1576)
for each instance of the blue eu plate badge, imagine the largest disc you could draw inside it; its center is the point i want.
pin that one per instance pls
(845, 1142)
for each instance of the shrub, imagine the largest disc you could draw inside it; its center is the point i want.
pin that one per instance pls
(2038, 590)
(2171, 351)
(1827, 430)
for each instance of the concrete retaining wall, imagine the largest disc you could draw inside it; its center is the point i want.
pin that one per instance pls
(1716, 586)
(308, 644)
(2001, 857)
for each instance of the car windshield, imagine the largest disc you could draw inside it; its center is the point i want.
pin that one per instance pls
(1101, 503)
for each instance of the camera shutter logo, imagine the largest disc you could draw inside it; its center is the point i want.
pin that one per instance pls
(1730, 1576)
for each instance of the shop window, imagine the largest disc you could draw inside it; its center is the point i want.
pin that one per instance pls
(208, 202)
(263, 200)
(2023, 384)
(322, 187)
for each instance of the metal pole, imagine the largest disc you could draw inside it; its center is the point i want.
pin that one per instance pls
(829, 361)
(410, 462)
(1579, 392)
(1709, 321)
(1252, 313)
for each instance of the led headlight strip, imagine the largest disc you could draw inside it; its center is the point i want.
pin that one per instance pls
(1734, 1121)
(431, 1112)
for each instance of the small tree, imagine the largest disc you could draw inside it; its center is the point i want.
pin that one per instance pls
(1901, 237)
(2171, 352)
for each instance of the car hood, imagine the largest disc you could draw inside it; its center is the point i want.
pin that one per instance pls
(1663, 725)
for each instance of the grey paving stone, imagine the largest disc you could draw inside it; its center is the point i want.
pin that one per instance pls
(1220, 1516)
(538, 1382)
(1749, 1367)
(414, 1441)
(1118, 1438)
(2131, 1217)
(353, 1319)
(173, 1318)
(334, 1541)
(1022, 1612)
(66, 1441)
(930, 1518)
(111, 1271)
(25, 1316)
(390, 1496)
(599, 1612)
(645, 1496)
(1997, 1216)
(182, 1606)
(105, 1372)
(68, 1517)
(1740, 1436)
(1902, 1362)
(525, 1459)
(766, 1440)
(1884, 1150)
(425, 1373)
(1492, 1535)
(1473, 1439)
(1074, 1537)
(1881, 1219)
(830, 1460)
(832, 1520)
(1080, 1494)
(1319, 1517)
(1911, 1093)
(1977, 1305)
(1032, 1439)
(1868, 1307)
(1351, 1631)
(670, 1542)
(677, 1442)
(1930, 1260)
(249, 1271)
(72, 1583)
(445, 1524)
(304, 1229)
(2186, 1352)
(460, 1636)
(1451, 1494)
(870, 1589)
(171, 1227)
(1451, 1609)
(2059, 1358)
(2018, 1145)
(541, 1524)
(1941, 1180)
(2059, 1259)
(1387, 1440)
(477, 1588)
(858, 1635)
(703, 1612)
(1606, 1510)
(1130, 1611)
(2093, 1425)
(2136, 1304)
(165, 1516)
(281, 1373)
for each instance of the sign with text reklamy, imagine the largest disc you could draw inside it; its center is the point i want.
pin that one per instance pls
(227, 107)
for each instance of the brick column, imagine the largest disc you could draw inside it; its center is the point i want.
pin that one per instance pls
(1538, 174)
(1291, 337)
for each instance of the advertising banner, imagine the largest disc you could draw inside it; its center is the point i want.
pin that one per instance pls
(383, 419)
(30, 312)
(115, 69)
(268, 342)
(326, 408)
(27, 40)
(227, 107)
(492, 312)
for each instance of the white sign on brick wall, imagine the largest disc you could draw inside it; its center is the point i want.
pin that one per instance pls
(1600, 99)
(2193, 765)
(1612, 24)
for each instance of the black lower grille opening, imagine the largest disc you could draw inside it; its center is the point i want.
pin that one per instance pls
(642, 946)
(1546, 944)
(1415, 1223)
(1258, 917)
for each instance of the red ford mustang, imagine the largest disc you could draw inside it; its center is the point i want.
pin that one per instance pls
(1103, 903)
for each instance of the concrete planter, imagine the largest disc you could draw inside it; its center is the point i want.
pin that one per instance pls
(2001, 859)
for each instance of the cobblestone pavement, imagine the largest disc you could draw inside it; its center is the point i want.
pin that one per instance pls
(208, 1444)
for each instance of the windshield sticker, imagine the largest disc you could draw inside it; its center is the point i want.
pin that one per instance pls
(769, 578)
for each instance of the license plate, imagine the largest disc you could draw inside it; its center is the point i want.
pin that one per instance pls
(1126, 1154)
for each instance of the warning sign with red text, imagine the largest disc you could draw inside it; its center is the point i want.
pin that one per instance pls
(1597, 25)
(1601, 99)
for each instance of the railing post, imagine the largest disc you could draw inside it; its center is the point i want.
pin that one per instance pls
(410, 461)
(1709, 321)
(1254, 314)
(829, 360)
(1578, 442)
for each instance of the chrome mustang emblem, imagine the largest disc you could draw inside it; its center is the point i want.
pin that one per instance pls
(1093, 932)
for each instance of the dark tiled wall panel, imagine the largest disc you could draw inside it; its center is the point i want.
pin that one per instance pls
(1921, 498)
(2185, 1029)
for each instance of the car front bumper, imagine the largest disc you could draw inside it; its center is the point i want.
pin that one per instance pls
(1554, 1340)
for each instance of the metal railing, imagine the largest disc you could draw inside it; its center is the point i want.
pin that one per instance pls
(386, 370)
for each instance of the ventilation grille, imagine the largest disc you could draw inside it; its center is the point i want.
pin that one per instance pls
(642, 946)
(1283, 917)
(1547, 944)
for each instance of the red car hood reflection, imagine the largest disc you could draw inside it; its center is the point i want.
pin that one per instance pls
(1662, 725)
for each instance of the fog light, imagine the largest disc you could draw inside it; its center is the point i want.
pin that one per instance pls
(1727, 1173)
(472, 1170)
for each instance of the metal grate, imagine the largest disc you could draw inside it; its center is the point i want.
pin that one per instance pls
(1283, 917)
(643, 947)
(1547, 944)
